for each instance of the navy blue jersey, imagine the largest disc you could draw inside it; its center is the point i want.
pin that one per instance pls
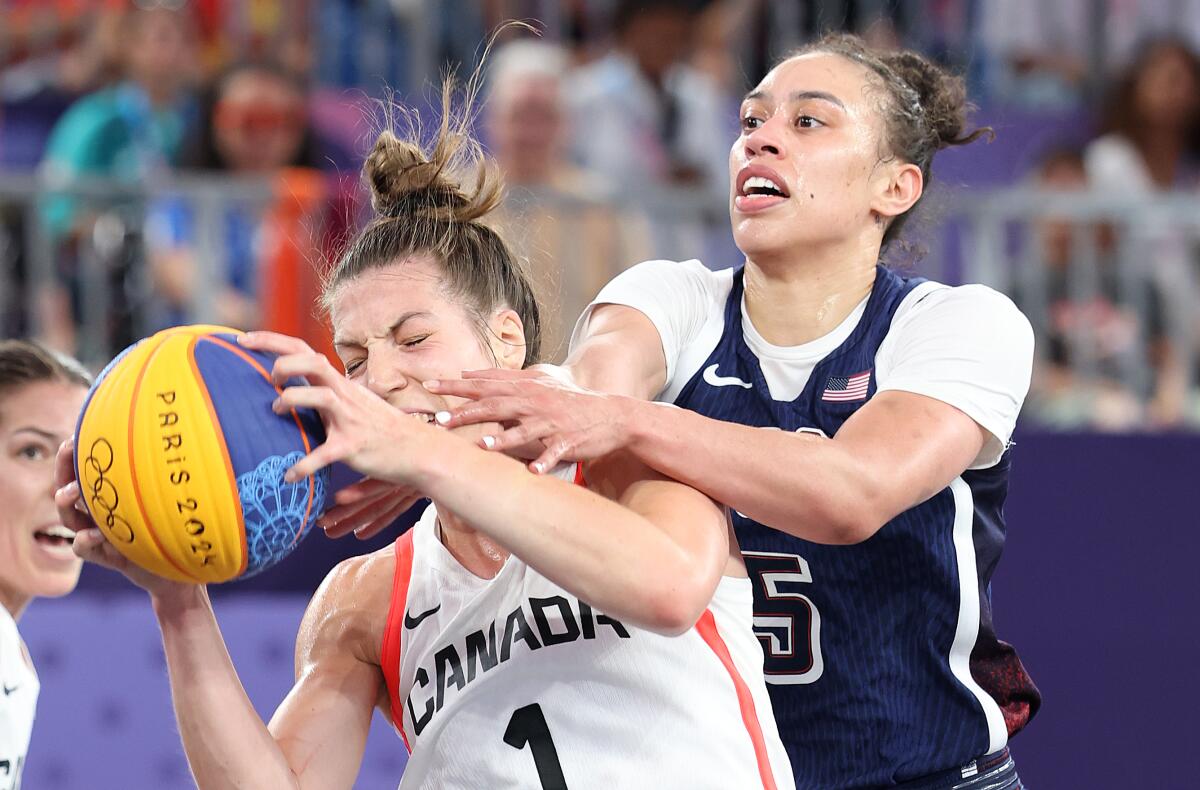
(880, 657)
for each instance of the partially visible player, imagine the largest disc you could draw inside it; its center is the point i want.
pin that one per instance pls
(590, 628)
(41, 394)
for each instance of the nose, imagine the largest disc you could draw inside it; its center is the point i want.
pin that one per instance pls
(766, 140)
(383, 374)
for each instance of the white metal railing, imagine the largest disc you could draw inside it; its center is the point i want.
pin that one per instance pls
(1135, 256)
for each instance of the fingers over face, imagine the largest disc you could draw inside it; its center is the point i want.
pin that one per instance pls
(274, 343)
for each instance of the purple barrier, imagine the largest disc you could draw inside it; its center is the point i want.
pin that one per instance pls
(1095, 590)
(104, 719)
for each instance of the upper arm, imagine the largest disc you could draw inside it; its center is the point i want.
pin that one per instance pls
(322, 724)
(628, 340)
(970, 348)
(950, 387)
(907, 447)
(697, 526)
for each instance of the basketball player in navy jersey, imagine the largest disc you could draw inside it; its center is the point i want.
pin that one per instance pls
(870, 516)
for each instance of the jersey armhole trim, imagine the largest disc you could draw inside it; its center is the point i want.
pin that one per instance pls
(706, 627)
(390, 651)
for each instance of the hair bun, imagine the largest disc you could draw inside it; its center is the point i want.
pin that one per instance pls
(942, 96)
(405, 183)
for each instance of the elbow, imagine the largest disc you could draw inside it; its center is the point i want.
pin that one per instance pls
(855, 524)
(673, 609)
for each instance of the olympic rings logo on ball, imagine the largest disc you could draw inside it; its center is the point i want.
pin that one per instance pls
(104, 495)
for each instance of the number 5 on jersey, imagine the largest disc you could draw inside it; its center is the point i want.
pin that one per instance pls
(787, 623)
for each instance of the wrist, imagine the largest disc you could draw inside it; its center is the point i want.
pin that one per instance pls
(638, 427)
(177, 600)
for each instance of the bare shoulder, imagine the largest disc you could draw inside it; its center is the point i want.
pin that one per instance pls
(349, 610)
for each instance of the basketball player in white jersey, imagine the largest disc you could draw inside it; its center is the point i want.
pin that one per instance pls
(587, 629)
(40, 397)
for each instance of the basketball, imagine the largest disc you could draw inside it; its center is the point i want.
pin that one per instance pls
(180, 458)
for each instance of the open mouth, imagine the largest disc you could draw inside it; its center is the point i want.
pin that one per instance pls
(422, 416)
(54, 537)
(759, 188)
(761, 185)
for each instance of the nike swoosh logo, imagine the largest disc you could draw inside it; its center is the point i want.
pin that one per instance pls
(9, 690)
(411, 622)
(711, 378)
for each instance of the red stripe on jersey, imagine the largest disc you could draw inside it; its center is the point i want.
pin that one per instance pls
(706, 626)
(390, 652)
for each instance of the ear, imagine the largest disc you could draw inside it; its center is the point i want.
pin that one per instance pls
(507, 339)
(898, 187)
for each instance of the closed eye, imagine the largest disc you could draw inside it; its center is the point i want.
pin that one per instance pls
(413, 342)
(352, 366)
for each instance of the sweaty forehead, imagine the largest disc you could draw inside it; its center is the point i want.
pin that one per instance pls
(818, 71)
(368, 304)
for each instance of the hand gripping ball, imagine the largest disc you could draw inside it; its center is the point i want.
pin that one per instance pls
(180, 458)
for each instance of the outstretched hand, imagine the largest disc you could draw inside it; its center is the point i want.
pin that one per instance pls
(540, 405)
(361, 429)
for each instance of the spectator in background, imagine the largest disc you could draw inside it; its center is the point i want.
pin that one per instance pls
(1097, 326)
(253, 122)
(127, 133)
(1151, 127)
(132, 129)
(646, 119)
(561, 219)
(1150, 144)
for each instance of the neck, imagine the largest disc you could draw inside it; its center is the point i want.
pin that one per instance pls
(474, 551)
(795, 299)
(1162, 148)
(14, 602)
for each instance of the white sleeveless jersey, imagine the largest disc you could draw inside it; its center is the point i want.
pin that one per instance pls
(18, 698)
(513, 682)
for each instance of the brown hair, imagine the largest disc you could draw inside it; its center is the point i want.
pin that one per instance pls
(25, 362)
(429, 200)
(1121, 114)
(925, 107)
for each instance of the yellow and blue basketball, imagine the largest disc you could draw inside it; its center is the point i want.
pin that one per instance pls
(180, 458)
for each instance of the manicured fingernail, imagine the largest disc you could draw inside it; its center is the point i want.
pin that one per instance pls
(442, 417)
(276, 406)
(539, 467)
(429, 384)
(290, 477)
(489, 442)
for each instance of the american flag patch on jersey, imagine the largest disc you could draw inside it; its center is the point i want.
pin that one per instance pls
(845, 388)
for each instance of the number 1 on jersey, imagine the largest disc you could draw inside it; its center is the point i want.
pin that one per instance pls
(528, 726)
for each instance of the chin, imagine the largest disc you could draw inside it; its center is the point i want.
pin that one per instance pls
(56, 585)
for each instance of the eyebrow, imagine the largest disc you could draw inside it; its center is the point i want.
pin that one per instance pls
(343, 341)
(800, 96)
(49, 436)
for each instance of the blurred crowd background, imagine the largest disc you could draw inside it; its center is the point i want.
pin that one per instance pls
(168, 161)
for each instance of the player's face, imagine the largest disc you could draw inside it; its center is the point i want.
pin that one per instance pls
(395, 327)
(812, 129)
(36, 548)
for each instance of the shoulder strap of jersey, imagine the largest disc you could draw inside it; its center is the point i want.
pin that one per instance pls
(390, 652)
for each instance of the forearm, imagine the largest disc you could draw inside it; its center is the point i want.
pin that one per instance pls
(799, 483)
(599, 550)
(226, 742)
